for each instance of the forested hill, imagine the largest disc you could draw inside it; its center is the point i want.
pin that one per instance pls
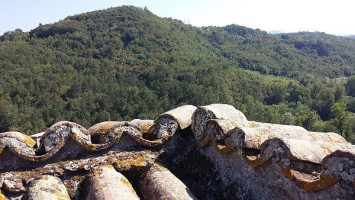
(125, 62)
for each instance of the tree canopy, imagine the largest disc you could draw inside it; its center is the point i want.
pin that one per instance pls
(125, 62)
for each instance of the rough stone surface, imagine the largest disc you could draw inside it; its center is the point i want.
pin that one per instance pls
(182, 115)
(105, 183)
(167, 123)
(222, 156)
(214, 111)
(160, 183)
(13, 187)
(47, 187)
(97, 138)
(300, 158)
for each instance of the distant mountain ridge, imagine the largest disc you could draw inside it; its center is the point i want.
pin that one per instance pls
(275, 47)
(126, 62)
(275, 32)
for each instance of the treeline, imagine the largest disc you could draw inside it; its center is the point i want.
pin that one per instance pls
(125, 63)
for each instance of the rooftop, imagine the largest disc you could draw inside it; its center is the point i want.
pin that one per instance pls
(206, 152)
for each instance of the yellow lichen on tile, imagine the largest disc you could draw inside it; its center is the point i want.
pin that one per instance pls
(314, 137)
(253, 124)
(224, 149)
(104, 128)
(138, 162)
(98, 171)
(330, 138)
(91, 147)
(255, 161)
(61, 196)
(259, 139)
(328, 149)
(105, 166)
(48, 187)
(95, 173)
(287, 172)
(324, 181)
(166, 137)
(117, 130)
(29, 141)
(74, 137)
(124, 163)
(233, 124)
(2, 197)
(145, 127)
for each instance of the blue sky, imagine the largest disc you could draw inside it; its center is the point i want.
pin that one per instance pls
(330, 16)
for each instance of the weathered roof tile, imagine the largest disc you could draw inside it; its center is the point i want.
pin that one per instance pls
(160, 183)
(105, 183)
(2, 196)
(47, 187)
(285, 161)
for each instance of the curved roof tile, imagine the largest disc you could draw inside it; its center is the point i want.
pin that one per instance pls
(307, 161)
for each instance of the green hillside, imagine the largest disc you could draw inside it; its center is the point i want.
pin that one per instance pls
(125, 62)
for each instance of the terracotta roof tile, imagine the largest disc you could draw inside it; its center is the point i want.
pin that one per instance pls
(160, 183)
(106, 183)
(264, 160)
(47, 187)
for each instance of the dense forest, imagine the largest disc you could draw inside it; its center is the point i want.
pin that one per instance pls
(124, 63)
